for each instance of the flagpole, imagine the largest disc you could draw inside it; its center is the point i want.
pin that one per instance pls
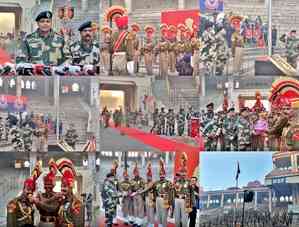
(236, 202)
(269, 27)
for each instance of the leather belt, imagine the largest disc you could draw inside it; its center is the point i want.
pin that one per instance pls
(48, 219)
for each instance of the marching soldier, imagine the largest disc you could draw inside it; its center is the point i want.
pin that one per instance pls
(181, 118)
(17, 139)
(170, 122)
(244, 131)
(27, 137)
(71, 136)
(20, 211)
(136, 46)
(155, 128)
(48, 203)
(164, 196)
(138, 184)
(183, 195)
(86, 51)
(44, 46)
(105, 48)
(162, 121)
(125, 188)
(148, 49)
(172, 47)
(230, 131)
(71, 211)
(162, 50)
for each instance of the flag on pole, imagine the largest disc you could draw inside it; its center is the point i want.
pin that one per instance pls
(238, 171)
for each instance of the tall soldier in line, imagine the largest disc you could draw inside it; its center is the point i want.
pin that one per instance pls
(230, 131)
(135, 28)
(292, 47)
(156, 128)
(125, 188)
(181, 118)
(114, 168)
(170, 129)
(44, 46)
(162, 50)
(85, 51)
(48, 203)
(27, 137)
(138, 184)
(196, 45)
(2, 128)
(71, 211)
(244, 131)
(189, 116)
(148, 49)
(172, 47)
(183, 195)
(150, 197)
(164, 196)
(71, 136)
(20, 210)
(105, 48)
(162, 122)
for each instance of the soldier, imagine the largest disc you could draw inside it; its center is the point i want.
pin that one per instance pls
(183, 195)
(71, 136)
(150, 197)
(155, 128)
(7, 128)
(20, 210)
(2, 128)
(105, 48)
(162, 121)
(164, 196)
(125, 187)
(27, 137)
(189, 116)
(162, 50)
(44, 46)
(211, 132)
(181, 119)
(137, 184)
(122, 40)
(71, 211)
(230, 130)
(209, 114)
(195, 191)
(17, 140)
(136, 46)
(148, 49)
(170, 122)
(291, 43)
(47, 203)
(172, 47)
(116, 183)
(244, 131)
(222, 53)
(110, 199)
(86, 51)
(41, 133)
(196, 45)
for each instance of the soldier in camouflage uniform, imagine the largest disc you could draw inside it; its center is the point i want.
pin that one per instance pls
(211, 132)
(292, 48)
(2, 128)
(17, 139)
(110, 199)
(170, 123)
(71, 136)
(162, 122)
(20, 210)
(137, 184)
(7, 128)
(244, 131)
(86, 51)
(222, 53)
(189, 116)
(44, 46)
(181, 119)
(155, 128)
(125, 188)
(27, 137)
(71, 211)
(164, 196)
(230, 131)
(183, 195)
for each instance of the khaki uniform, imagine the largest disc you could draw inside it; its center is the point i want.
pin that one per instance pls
(19, 212)
(127, 203)
(138, 184)
(136, 53)
(195, 56)
(150, 203)
(105, 54)
(162, 49)
(147, 52)
(172, 56)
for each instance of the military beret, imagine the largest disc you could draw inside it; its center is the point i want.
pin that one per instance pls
(44, 14)
(210, 104)
(87, 24)
(231, 109)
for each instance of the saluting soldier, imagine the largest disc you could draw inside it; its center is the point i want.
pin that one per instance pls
(71, 211)
(85, 51)
(48, 203)
(162, 49)
(20, 210)
(163, 189)
(183, 195)
(125, 188)
(44, 46)
(148, 49)
(105, 48)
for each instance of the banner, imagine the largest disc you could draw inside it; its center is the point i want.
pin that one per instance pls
(192, 162)
(12, 103)
(190, 18)
(194, 127)
(207, 6)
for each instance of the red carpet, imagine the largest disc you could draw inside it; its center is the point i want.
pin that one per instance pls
(167, 145)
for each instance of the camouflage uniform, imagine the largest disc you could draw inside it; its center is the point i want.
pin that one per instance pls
(244, 134)
(71, 137)
(2, 129)
(222, 53)
(110, 200)
(230, 133)
(20, 212)
(27, 138)
(181, 118)
(7, 128)
(17, 139)
(170, 122)
(211, 132)
(162, 121)
(162, 49)
(292, 50)
(155, 127)
(208, 51)
(81, 54)
(36, 49)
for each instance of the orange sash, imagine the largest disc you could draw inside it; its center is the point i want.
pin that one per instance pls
(120, 40)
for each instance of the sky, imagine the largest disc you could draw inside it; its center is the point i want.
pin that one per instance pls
(7, 22)
(218, 169)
